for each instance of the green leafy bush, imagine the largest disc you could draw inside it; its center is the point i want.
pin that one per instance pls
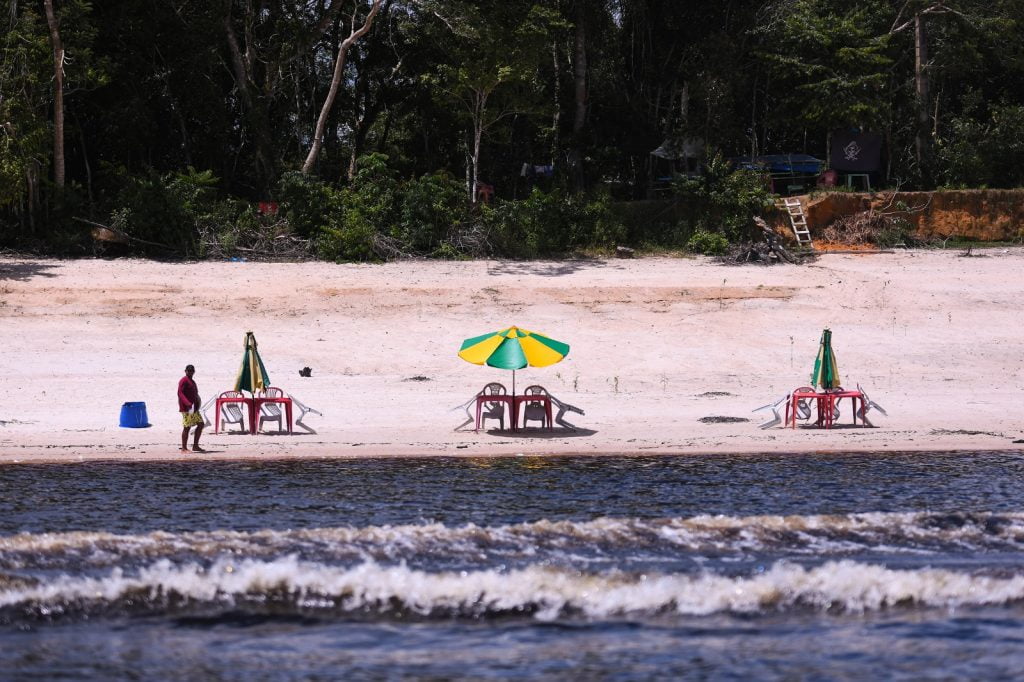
(707, 243)
(975, 152)
(310, 205)
(364, 210)
(722, 200)
(430, 207)
(552, 223)
(168, 209)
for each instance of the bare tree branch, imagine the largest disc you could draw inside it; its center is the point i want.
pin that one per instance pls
(339, 69)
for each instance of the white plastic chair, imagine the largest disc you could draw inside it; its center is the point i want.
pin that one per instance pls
(868, 404)
(774, 407)
(232, 413)
(303, 411)
(803, 408)
(271, 412)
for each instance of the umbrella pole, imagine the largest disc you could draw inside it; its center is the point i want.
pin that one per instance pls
(513, 383)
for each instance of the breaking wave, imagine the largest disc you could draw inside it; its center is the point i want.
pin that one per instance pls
(288, 585)
(813, 535)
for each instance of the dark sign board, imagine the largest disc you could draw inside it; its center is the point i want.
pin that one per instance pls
(856, 152)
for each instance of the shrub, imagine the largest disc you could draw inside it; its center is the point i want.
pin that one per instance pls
(364, 210)
(168, 209)
(975, 152)
(552, 223)
(722, 200)
(308, 204)
(708, 243)
(431, 206)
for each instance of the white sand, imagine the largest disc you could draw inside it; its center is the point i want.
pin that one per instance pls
(934, 337)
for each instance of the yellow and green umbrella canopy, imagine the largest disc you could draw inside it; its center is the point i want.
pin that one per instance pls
(513, 348)
(826, 371)
(252, 375)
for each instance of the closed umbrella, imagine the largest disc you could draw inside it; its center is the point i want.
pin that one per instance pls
(826, 371)
(252, 375)
(513, 349)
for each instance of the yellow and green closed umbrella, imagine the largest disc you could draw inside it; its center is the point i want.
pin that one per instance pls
(252, 375)
(513, 349)
(826, 371)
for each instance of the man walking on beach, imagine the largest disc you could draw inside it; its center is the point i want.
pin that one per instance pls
(188, 405)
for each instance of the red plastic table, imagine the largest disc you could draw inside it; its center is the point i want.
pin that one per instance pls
(490, 398)
(826, 403)
(259, 402)
(533, 398)
(224, 401)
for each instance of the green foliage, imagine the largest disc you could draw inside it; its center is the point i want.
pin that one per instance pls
(984, 152)
(722, 201)
(833, 57)
(309, 204)
(431, 206)
(26, 67)
(552, 223)
(707, 243)
(169, 209)
(440, 85)
(367, 208)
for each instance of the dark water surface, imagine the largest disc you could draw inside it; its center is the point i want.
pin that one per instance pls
(828, 566)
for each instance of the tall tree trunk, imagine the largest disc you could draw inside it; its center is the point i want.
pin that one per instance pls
(339, 69)
(255, 108)
(921, 88)
(556, 116)
(58, 94)
(478, 133)
(580, 95)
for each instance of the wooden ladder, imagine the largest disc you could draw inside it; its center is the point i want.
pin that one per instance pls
(798, 220)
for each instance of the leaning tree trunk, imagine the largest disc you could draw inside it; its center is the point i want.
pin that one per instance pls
(339, 69)
(58, 94)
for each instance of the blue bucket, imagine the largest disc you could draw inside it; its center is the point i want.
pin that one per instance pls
(133, 416)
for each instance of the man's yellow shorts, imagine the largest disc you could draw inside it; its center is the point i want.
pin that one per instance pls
(191, 419)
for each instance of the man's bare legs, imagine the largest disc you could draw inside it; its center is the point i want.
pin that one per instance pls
(195, 440)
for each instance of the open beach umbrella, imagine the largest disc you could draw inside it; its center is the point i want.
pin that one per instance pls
(826, 372)
(252, 375)
(513, 349)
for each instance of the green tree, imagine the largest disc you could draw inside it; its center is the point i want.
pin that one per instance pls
(495, 48)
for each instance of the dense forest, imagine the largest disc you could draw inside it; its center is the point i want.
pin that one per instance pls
(372, 129)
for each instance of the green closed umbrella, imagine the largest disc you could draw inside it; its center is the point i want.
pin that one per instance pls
(826, 371)
(252, 375)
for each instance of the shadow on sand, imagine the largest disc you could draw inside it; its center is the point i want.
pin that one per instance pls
(22, 272)
(546, 268)
(541, 434)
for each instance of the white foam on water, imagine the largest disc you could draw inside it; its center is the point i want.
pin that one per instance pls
(546, 592)
(812, 534)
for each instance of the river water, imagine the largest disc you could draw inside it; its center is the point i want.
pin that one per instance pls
(820, 566)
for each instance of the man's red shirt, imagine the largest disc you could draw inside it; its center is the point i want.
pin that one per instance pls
(188, 394)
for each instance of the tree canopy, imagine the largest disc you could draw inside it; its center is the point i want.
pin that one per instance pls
(465, 93)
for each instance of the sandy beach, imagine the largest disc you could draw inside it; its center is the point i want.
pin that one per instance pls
(658, 345)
